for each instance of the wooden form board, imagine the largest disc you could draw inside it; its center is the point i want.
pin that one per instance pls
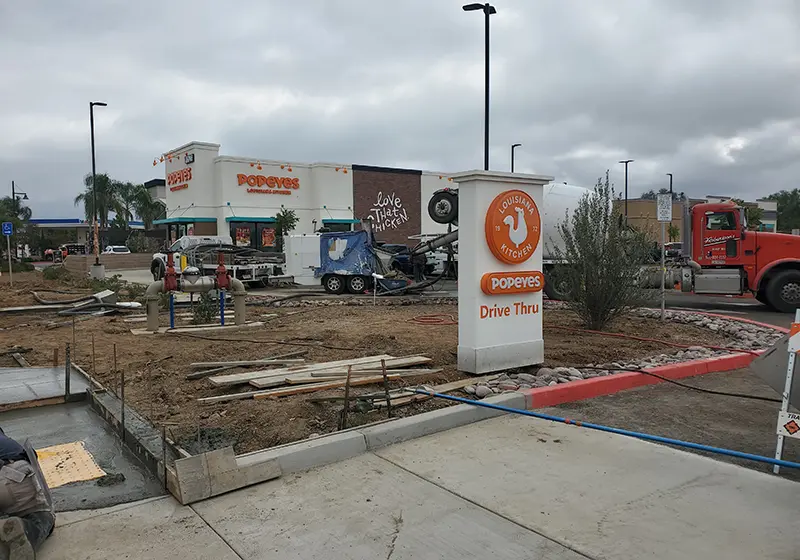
(287, 391)
(391, 374)
(240, 378)
(280, 379)
(264, 362)
(378, 371)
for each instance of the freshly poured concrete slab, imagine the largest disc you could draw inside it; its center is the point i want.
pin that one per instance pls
(153, 530)
(19, 385)
(366, 508)
(68, 423)
(610, 496)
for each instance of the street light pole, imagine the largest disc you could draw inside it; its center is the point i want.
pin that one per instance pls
(487, 10)
(512, 155)
(626, 162)
(92, 105)
(670, 183)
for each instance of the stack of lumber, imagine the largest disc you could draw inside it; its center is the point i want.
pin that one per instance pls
(309, 378)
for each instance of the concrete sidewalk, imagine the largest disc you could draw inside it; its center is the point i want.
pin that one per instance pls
(510, 487)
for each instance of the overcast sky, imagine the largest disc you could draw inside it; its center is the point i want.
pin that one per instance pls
(706, 89)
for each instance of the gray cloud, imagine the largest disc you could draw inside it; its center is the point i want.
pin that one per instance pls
(709, 91)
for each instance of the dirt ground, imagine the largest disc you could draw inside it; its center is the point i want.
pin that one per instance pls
(720, 421)
(155, 365)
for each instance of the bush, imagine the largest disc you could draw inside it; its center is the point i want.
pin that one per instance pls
(601, 260)
(16, 266)
(204, 311)
(56, 272)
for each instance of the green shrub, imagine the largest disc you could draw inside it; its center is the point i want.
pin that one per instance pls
(205, 310)
(56, 273)
(601, 260)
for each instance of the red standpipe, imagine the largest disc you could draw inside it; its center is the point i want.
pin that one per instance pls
(223, 281)
(170, 277)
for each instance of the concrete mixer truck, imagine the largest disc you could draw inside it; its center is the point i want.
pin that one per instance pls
(560, 200)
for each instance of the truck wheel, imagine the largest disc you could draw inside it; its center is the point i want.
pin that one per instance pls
(443, 207)
(333, 284)
(761, 297)
(158, 272)
(553, 289)
(783, 291)
(356, 284)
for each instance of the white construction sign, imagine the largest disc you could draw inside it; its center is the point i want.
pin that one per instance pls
(500, 270)
(664, 207)
(788, 422)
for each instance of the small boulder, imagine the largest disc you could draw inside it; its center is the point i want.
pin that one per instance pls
(483, 391)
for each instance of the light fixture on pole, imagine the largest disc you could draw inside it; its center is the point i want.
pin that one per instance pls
(626, 162)
(92, 105)
(487, 10)
(513, 146)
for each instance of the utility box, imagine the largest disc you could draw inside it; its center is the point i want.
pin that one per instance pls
(302, 258)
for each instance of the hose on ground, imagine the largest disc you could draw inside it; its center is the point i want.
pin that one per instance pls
(43, 301)
(618, 431)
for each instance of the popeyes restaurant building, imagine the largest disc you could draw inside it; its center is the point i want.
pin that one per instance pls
(212, 194)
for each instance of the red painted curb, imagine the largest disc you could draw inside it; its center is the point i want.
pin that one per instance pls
(599, 386)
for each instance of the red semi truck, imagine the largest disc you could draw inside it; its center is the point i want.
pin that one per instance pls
(721, 256)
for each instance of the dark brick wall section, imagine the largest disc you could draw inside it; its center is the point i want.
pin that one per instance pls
(392, 198)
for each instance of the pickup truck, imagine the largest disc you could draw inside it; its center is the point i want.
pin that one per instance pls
(246, 264)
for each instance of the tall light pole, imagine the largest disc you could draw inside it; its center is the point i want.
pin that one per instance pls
(487, 10)
(626, 162)
(512, 155)
(670, 183)
(92, 105)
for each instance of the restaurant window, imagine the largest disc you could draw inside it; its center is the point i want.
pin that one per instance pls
(261, 236)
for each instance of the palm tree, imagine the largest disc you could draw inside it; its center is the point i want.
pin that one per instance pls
(107, 198)
(148, 208)
(128, 195)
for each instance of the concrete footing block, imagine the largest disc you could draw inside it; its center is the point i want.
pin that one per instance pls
(404, 429)
(311, 453)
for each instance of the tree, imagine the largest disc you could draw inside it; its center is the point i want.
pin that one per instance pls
(127, 194)
(17, 213)
(107, 198)
(601, 260)
(652, 195)
(149, 209)
(285, 221)
(673, 232)
(752, 213)
(788, 209)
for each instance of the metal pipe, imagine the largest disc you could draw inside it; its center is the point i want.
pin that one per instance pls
(239, 295)
(434, 244)
(609, 429)
(151, 301)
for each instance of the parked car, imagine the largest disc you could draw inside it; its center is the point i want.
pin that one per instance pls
(116, 250)
(673, 249)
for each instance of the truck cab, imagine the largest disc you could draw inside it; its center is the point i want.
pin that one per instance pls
(722, 256)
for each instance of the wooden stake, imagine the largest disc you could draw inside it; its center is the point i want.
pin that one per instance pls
(94, 364)
(386, 389)
(55, 356)
(343, 422)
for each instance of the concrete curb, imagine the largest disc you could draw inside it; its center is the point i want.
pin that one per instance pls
(412, 427)
(600, 386)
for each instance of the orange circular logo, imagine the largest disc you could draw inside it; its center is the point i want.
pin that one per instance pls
(513, 227)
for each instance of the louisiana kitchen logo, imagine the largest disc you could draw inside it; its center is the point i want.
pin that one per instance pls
(512, 227)
(268, 184)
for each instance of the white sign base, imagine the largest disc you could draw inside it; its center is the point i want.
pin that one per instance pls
(499, 330)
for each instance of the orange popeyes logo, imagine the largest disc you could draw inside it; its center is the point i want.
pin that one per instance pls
(516, 282)
(513, 227)
(270, 182)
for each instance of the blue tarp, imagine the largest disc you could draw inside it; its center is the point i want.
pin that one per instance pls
(347, 252)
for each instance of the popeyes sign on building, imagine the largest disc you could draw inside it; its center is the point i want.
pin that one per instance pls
(263, 184)
(500, 284)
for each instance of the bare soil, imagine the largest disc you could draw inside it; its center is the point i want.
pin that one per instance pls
(155, 365)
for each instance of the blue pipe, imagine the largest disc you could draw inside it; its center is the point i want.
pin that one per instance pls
(221, 294)
(171, 310)
(629, 433)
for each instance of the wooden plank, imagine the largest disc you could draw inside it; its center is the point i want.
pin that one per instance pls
(338, 373)
(286, 391)
(276, 380)
(396, 374)
(262, 362)
(237, 378)
(200, 329)
(313, 387)
(210, 372)
(20, 360)
(444, 388)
